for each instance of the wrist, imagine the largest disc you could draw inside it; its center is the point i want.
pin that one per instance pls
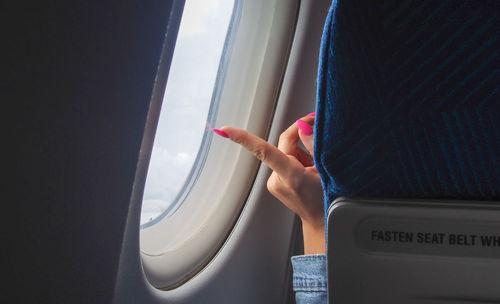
(314, 237)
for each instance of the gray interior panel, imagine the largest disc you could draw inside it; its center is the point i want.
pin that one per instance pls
(411, 251)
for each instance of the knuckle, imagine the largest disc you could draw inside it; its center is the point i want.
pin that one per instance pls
(271, 185)
(274, 186)
(238, 140)
(284, 137)
(260, 153)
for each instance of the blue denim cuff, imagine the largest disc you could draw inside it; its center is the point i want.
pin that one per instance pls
(309, 272)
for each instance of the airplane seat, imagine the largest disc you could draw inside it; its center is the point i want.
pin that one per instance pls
(407, 144)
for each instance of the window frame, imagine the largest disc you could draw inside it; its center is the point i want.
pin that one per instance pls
(174, 250)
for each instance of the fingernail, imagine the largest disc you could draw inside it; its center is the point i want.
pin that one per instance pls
(220, 133)
(304, 127)
(312, 114)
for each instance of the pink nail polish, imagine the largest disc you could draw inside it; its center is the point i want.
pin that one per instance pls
(304, 127)
(312, 114)
(220, 133)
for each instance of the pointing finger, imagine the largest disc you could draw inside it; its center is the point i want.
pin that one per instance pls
(264, 151)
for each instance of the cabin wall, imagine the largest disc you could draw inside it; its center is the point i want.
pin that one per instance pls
(79, 79)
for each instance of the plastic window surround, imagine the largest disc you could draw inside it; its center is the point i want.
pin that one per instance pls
(175, 249)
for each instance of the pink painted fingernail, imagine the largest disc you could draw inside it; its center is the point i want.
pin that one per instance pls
(304, 127)
(312, 114)
(220, 133)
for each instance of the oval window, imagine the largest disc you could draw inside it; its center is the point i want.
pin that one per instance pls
(188, 107)
(227, 68)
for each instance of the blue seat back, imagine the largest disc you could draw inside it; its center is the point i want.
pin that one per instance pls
(408, 102)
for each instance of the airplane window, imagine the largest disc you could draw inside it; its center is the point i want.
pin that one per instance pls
(228, 64)
(188, 109)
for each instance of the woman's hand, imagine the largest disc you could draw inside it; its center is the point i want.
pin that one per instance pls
(294, 181)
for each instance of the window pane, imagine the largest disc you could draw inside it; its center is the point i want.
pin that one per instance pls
(188, 95)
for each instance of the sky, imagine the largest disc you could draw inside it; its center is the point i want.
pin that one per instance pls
(186, 101)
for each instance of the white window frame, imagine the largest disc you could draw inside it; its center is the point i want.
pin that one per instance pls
(176, 248)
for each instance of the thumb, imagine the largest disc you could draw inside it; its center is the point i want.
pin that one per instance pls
(306, 135)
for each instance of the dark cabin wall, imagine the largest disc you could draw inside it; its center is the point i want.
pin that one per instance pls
(79, 78)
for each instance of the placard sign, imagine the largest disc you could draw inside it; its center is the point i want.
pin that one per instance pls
(431, 237)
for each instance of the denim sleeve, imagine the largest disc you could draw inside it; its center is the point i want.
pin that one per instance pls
(310, 279)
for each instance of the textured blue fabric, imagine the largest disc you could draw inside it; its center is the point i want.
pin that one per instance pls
(407, 101)
(310, 278)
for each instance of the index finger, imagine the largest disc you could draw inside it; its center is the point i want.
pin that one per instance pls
(264, 151)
